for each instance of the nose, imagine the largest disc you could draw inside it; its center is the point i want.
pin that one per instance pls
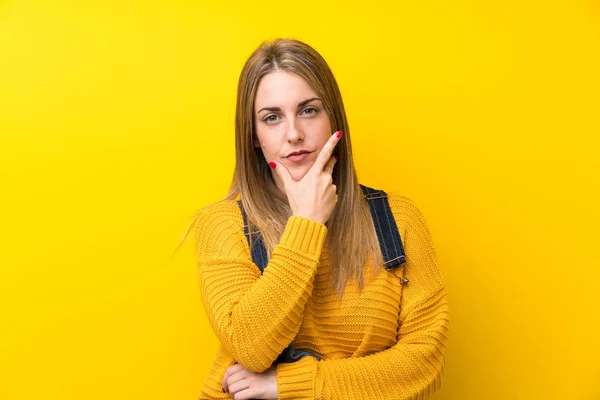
(294, 133)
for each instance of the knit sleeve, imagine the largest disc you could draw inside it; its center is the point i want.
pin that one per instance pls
(413, 367)
(255, 316)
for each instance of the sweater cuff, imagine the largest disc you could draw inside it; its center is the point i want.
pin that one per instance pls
(296, 380)
(304, 234)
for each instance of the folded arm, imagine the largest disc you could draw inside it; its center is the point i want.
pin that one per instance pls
(256, 316)
(413, 368)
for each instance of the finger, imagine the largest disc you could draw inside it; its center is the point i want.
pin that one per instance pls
(282, 171)
(238, 386)
(230, 371)
(330, 164)
(246, 394)
(235, 377)
(326, 152)
(238, 376)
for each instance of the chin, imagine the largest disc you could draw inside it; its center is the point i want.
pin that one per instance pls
(299, 174)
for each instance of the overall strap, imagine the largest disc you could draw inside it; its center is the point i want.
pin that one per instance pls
(258, 250)
(388, 234)
(387, 231)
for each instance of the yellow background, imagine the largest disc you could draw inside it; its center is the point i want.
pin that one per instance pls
(116, 124)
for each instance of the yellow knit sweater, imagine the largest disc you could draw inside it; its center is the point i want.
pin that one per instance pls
(388, 342)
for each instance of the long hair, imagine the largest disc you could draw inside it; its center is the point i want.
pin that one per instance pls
(351, 238)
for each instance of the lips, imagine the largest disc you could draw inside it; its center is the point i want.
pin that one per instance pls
(298, 157)
(296, 153)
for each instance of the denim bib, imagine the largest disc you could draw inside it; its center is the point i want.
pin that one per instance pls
(388, 235)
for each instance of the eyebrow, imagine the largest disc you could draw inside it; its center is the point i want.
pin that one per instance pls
(302, 103)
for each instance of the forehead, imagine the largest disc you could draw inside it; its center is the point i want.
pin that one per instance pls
(282, 89)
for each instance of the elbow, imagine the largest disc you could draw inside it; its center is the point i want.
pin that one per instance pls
(437, 358)
(256, 350)
(438, 377)
(253, 357)
(255, 367)
(254, 364)
(430, 377)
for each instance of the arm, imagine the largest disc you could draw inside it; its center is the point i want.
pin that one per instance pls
(255, 316)
(413, 367)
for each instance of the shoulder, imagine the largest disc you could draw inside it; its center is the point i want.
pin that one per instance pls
(402, 205)
(399, 203)
(422, 267)
(407, 213)
(218, 221)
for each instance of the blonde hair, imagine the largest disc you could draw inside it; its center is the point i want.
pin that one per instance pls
(352, 241)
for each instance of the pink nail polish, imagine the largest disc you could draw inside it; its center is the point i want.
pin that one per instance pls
(339, 134)
(272, 165)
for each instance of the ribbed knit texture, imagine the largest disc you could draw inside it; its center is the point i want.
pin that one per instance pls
(388, 342)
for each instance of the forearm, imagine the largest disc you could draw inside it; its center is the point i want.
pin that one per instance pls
(257, 316)
(411, 369)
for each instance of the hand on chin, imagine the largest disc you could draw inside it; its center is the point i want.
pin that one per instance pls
(298, 175)
(297, 171)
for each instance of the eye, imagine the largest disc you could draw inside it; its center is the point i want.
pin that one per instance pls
(311, 108)
(269, 119)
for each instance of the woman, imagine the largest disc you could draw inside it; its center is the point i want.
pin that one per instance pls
(317, 287)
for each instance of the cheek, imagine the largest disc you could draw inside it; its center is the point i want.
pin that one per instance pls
(262, 139)
(268, 147)
(325, 128)
(324, 137)
(320, 128)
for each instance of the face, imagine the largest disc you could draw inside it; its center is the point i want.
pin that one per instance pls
(290, 117)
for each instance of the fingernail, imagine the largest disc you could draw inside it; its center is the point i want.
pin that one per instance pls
(272, 165)
(336, 158)
(339, 134)
(223, 390)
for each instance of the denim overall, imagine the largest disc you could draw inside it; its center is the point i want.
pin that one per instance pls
(389, 242)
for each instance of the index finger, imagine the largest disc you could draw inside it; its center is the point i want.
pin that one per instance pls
(326, 152)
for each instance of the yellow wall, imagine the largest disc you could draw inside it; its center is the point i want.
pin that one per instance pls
(116, 124)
